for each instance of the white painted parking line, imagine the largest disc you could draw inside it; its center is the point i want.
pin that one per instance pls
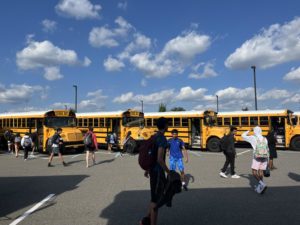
(74, 156)
(194, 153)
(34, 208)
(241, 153)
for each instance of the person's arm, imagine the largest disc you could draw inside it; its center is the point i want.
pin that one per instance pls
(246, 137)
(95, 141)
(22, 142)
(161, 161)
(186, 156)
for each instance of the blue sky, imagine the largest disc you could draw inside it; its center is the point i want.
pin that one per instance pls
(181, 53)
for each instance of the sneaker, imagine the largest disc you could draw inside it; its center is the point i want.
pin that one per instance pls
(235, 176)
(65, 164)
(25, 159)
(185, 187)
(145, 221)
(223, 175)
(261, 188)
(49, 165)
(94, 163)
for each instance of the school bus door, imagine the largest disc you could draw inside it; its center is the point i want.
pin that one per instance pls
(195, 133)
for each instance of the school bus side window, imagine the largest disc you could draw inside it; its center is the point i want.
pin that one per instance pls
(170, 122)
(253, 121)
(219, 120)
(185, 122)
(264, 121)
(85, 122)
(24, 122)
(245, 121)
(235, 121)
(176, 122)
(154, 122)
(226, 121)
(96, 122)
(80, 122)
(107, 122)
(101, 122)
(90, 122)
(149, 122)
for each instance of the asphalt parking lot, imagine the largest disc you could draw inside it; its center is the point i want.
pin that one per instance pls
(115, 192)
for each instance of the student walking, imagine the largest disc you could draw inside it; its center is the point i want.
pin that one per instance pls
(157, 172)
(175, 148)
(272, 148)
(8, 135)
(260, 157)
(227, 145)
(34, 136)
(111, 141)
(91, 145)
(17, 144)
(57, 147)
(26, 143)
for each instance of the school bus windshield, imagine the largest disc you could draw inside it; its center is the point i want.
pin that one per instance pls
(210, 120)
(133, 121)
(60, 122)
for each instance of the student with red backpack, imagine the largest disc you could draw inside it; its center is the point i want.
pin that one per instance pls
(155, 167)
(260, 157)
(91, 145)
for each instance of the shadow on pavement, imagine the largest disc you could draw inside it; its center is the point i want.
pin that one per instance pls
(105, 161)
(212, 206)
(19, 192)
(294, 176)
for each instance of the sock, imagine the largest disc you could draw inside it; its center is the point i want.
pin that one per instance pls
(183, 183)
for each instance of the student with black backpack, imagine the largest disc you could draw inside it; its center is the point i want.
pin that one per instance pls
(227, 145)
(26, 143)
(157, 170)
(56, 147)
(91, 145)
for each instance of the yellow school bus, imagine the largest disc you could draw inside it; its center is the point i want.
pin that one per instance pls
(128, 127)
(197, 129)
(286, 128)
(45, 123)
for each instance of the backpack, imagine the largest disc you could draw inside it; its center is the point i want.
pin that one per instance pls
(147, 157)
(88, 140)
(261, 150)
(53, 140)
(27, 142)
(224, 142)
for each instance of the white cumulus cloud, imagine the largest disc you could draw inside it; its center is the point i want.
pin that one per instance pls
(273, 46)
(20, 93)
(106, 37)
(112, 64)
(52, 73)
(78, 9)
(208, 71)
(49, 25)
(122, 5)
(293, 75)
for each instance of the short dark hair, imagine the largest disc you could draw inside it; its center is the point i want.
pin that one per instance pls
(162, 123)
(58, 129)
(174, 131)
(91, 128)
(233, 129)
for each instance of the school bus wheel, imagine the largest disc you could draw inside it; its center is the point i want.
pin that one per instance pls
(295, 143)
(213, 144)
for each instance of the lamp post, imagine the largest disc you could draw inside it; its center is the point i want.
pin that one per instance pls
(217, 103)
(75, 86)
(142, 105)
(254, 77)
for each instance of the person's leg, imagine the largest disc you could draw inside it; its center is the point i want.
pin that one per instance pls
(26, 152)
(271, 163)
(255, 174)
(223, 170)
(87, 158)
(17, 150)
(8, 146)
(93, 157)
(232, 164)
(153, 214)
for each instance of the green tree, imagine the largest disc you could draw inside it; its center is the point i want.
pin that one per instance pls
(177, 109)
(162, 107)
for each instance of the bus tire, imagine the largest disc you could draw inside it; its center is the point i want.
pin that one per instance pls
(130, 146)
(213, 144)
(295, 143)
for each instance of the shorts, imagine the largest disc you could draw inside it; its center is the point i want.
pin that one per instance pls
(259, 164)
(176, 162)
(157, 184)
(56, 150)
(90, 149)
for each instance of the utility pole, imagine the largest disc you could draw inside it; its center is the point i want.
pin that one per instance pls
(217, 103)
(75, 86)
(254, 77)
